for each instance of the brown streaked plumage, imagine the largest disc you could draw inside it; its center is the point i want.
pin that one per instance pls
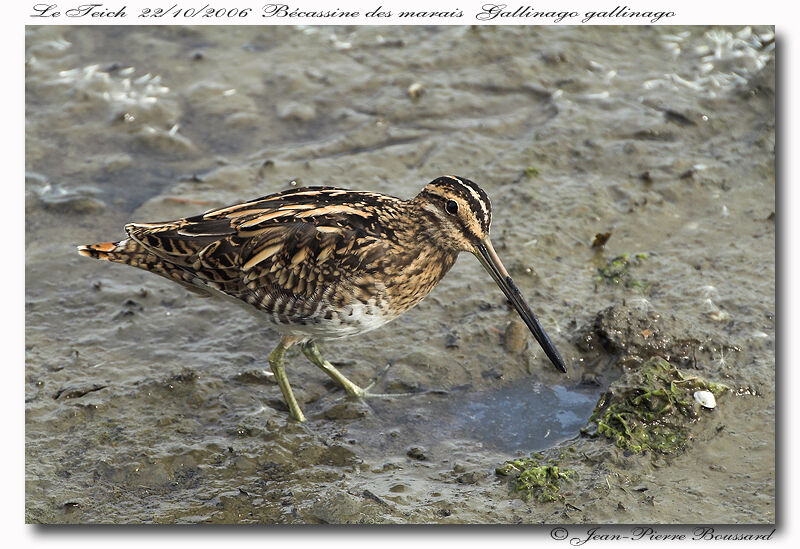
(321, 262)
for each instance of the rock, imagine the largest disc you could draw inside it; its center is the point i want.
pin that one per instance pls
(514, 337)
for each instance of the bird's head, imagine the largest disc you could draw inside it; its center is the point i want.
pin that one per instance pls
(460, 211)
(460, 214)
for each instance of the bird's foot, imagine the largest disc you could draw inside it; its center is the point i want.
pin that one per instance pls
(312, 352)
(367, 394)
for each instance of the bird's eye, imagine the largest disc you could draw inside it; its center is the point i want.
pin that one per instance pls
(451, 207)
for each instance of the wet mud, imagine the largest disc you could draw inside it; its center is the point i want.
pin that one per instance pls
(632, 177)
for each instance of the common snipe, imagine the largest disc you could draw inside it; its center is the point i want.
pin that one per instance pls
(321, 262)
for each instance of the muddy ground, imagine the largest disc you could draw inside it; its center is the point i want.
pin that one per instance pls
(145, 403)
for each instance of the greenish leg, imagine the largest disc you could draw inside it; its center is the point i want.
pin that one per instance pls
(311, 351)
(276, 362)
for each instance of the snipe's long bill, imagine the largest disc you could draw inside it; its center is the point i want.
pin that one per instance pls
(322, 263)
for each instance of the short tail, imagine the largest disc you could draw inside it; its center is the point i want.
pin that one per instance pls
(110, 251)
(131, 252)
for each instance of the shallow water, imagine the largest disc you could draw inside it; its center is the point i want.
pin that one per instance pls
(145, 403)
(524, 416)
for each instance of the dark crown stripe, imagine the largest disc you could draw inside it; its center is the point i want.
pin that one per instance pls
(467, 190)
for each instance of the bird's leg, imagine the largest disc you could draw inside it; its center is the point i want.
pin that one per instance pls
(276, 363)
(311, 351)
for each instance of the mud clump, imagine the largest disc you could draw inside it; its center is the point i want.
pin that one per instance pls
(346, 410)
(650, 408)
(636, 335)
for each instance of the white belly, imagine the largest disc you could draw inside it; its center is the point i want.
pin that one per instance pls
(356, 318)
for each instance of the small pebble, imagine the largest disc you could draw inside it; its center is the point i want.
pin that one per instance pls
(514, 337)
(416, 90)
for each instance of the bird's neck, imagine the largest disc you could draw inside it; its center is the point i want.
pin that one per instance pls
(424, 259)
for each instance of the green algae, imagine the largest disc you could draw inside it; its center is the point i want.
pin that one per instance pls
(616, 272)
(533, 479)
(531, 171)
(651, 407)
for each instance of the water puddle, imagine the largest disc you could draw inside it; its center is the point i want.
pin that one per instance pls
(522, 417)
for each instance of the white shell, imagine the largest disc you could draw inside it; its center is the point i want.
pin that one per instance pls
(706, 399)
